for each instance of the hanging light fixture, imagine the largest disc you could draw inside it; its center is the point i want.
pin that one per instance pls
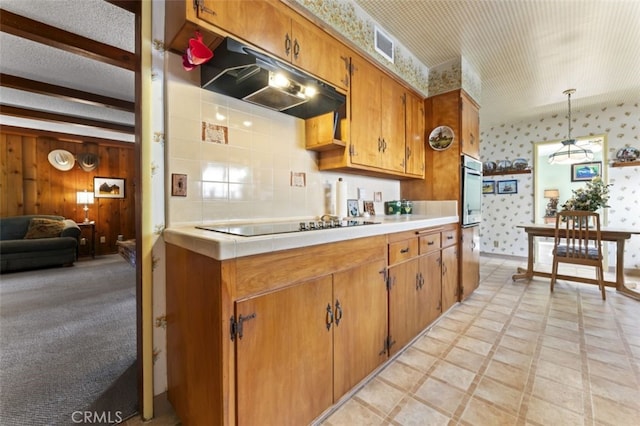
(570, 153)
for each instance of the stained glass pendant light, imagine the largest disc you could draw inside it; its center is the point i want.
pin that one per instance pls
(570, 153)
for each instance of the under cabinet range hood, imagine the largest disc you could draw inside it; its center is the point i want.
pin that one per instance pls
(239, 71)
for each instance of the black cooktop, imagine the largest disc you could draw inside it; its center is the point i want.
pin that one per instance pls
(252, 230)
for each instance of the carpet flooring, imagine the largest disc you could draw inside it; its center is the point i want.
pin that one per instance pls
(67, 337)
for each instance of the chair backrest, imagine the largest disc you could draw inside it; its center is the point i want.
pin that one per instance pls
(577, 236)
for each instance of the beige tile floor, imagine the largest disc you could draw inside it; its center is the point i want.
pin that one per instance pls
(511, 354)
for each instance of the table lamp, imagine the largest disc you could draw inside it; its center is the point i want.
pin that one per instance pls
(86, 198)
(552, 206)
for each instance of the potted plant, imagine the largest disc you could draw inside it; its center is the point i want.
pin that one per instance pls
(591, 198)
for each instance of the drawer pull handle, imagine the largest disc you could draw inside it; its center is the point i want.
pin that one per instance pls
(404, 250)
(430, 243)
(449, 237)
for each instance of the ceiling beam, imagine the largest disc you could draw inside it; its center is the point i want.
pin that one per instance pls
(61, 136)
(19, 83)
(132, 6)
(46, 34)
(64, 118)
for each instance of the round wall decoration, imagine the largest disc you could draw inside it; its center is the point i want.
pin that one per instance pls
(441, 138)
(61, 159)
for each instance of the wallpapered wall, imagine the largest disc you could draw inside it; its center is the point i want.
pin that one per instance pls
(501, 214)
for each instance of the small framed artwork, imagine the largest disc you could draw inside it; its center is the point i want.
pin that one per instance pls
(369, 208)
(488, 186)
(215, 133)
(585, 171)
(508, 186)
(178, 185)
(108, 187)
(352, 208)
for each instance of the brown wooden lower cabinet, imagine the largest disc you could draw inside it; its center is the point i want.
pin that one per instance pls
(470, 261)
(278, 338)
(284, 356)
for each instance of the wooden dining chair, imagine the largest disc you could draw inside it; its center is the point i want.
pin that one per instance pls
(578, 242)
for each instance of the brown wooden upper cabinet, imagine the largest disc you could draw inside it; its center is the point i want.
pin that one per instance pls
(377, 118)
(469, 126)
(414, 135)
(275, 28)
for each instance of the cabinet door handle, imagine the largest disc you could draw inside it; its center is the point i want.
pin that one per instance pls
(329, 317)
(338, 312)
(287, 44)
(417, 281)
(473, 245)
(296, 49)
(404, 250)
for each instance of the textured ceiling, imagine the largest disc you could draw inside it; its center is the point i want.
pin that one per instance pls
(526, 52)
(95, 19)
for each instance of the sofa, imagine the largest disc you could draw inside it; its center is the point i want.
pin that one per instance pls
(37, 241)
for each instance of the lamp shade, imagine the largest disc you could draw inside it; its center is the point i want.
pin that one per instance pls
(551, 193)
(570, 153)
(84, 197)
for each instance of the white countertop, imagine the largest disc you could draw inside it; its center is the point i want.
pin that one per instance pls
(224, 246)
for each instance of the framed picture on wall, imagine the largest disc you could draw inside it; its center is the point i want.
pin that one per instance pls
(488, 186)
(108, 187)
(508, 186)
(353, 208)
(585, 171)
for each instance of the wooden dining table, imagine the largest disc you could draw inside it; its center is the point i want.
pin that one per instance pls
(617, 235)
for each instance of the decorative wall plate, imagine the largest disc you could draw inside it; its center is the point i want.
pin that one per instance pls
(504, 165)
(628, 154)
(441, 138)
(489, 166)
(520, 164)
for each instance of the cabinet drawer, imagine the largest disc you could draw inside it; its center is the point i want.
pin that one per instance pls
(429, 243)
(449, 237)
(402, 250)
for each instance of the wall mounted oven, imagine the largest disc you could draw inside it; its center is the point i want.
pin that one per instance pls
(471, 191)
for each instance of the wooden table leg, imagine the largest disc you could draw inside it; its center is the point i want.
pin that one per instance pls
(620, 264)
(526, 273)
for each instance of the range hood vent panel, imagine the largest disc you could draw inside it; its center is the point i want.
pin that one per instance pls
(274, 98)
(239, 71)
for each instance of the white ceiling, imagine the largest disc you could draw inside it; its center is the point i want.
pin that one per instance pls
(526, 52)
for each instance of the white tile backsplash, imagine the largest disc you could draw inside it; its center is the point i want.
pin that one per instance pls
(249, 178)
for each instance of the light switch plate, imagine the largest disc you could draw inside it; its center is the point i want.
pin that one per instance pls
(178, 185)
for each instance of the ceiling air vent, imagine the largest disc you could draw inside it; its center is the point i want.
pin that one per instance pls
(383, 44)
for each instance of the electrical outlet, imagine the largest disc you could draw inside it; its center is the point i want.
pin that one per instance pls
(103, 239)
(83, 241)
(496, 243)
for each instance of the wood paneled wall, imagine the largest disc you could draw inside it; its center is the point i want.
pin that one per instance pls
(29, 184)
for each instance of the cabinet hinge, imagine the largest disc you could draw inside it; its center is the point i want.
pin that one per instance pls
(235, 327)
(352, 150)
(386, 345)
